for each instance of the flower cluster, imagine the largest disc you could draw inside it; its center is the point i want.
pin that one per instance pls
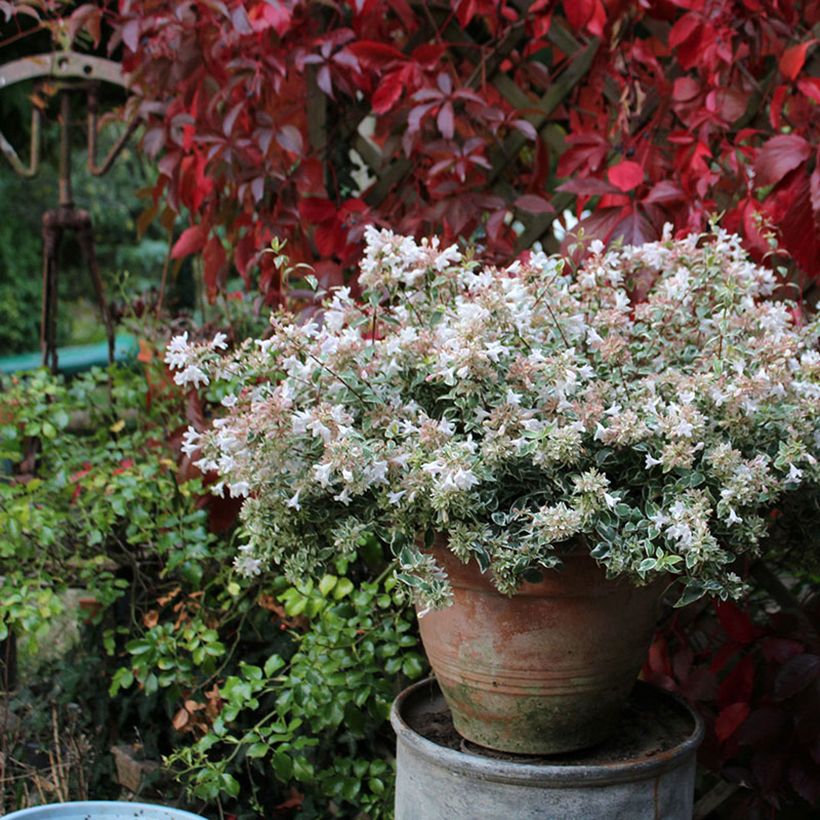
(521, 412)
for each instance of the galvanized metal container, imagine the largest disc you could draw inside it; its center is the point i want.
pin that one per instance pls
(102, 810)
(645, 771)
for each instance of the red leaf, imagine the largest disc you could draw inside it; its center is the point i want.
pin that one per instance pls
(763, 726)
(730, 719)
(230, 118)
(587, 187)
(815, 190)
(736, 623)
(465, 11)
(213, 259)
(324, 81)
(243, 255)
(664, 191)
(777, 105)
(316, 210)
(534, 204)
(131, 34)
(626, 175)
(429, 54)
(241, 21)
(388, 93)
(526, 128)
(598, 225)
(780, 155)
(683, 29)
(738, 685)
(329, 238)
(684, 89)
(810, 87)
(795, 675)
(194, 413)
(635, 228)
(495, 223)
(792, 60)
(578, 12)
(790, 207)
(277, 15)
(191, 241)
(779, 650)
(375, 54)
(290, 138)
(445, 121)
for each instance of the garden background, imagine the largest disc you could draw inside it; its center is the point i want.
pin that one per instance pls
(504, 124)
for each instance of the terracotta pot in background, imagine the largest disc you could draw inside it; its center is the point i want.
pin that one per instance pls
(547, 670)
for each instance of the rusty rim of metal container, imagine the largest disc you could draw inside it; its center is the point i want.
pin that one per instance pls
(558, 774)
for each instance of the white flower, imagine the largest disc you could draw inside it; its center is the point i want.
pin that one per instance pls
(376, 473)
(220, 342)
(733, 517)
(239, 489)
(321, 472)
(293, 502)
(683, 428)
(190, 441)
(462, 479)
(192, 375)
(247, 566)
(178, 351)
(229, 401)
(795, 474)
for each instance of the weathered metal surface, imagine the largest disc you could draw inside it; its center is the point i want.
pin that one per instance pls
(547, 670)
(72, 72)
(62, 65)
(55, 223)
(645, 772)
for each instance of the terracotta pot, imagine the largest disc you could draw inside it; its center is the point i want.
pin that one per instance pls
(547, 670)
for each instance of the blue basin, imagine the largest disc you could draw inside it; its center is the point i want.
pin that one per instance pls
(103, 809)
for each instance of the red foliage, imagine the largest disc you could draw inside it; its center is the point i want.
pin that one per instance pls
(758, 689)
(686, 108)
(480, 115)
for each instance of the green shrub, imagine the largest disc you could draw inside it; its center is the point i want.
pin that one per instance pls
(256, 693)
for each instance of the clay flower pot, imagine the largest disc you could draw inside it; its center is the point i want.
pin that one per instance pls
(547, 670)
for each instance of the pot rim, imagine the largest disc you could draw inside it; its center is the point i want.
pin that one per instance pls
(565, 775)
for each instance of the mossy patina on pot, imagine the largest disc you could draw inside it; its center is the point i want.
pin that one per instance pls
(547, 670)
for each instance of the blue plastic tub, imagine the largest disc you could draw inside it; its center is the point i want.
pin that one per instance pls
(109, 810)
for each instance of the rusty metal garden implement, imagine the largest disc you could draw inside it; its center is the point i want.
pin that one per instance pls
(73, 74)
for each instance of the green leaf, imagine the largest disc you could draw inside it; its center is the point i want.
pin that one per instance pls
(258, 750)
(272, 665)
(343, 587)
(326, 584)
(230, 784)
(412, 667)
(302, 769)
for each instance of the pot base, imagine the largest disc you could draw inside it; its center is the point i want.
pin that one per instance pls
(644, 771)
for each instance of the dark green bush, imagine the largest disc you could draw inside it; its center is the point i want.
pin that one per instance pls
(257, 694)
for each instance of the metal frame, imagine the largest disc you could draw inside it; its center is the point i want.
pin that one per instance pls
(72, 72)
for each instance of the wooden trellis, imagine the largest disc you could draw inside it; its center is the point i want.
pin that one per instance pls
(390, 171)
